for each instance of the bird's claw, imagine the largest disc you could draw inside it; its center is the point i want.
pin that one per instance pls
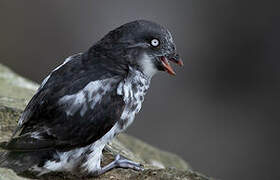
(119, 162)
(125, 163)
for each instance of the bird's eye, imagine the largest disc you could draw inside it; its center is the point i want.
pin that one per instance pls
(155, 42)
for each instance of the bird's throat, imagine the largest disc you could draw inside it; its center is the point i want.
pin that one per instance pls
(147, 66)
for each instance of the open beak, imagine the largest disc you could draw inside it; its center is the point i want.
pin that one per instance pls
(165, 62)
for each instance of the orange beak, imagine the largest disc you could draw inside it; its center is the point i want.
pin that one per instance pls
(167, 66)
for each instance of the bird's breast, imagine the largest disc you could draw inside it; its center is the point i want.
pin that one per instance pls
(133, 90)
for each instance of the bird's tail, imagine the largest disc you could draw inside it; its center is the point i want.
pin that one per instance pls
(10, 160)
(20, 162)
(3, 156)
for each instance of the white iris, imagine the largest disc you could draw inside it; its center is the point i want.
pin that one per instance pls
(155, 42)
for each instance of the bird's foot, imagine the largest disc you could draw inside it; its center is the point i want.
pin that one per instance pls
(120, 162)
(125, 163)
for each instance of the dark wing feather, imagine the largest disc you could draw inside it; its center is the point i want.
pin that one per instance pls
(47, 118)
(57, 130)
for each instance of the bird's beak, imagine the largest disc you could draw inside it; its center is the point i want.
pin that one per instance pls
(165, 63)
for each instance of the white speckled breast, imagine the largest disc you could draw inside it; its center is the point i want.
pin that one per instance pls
(133, 89)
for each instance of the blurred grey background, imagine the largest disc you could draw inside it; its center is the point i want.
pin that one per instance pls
(221, 111)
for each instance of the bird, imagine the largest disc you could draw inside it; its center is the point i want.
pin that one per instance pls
(88, 100)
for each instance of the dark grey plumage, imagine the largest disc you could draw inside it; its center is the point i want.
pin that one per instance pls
(89, 99)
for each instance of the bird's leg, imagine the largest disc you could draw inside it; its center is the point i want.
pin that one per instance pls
(122, 163)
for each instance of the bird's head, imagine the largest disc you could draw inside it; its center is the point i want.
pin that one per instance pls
(144, 45)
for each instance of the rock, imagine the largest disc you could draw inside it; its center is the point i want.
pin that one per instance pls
(15, 92)
(7, 174)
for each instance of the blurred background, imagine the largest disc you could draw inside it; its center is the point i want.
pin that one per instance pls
(220, 113)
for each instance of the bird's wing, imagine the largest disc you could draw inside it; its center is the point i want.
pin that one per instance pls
(74, 107)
